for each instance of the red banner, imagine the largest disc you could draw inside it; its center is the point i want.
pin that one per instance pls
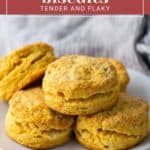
(84, 7)
(2, 6)
(75, 6)
(146, 6)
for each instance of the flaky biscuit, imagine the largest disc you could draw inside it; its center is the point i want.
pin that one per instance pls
(22, 67)
(93, 104)
(121, 127)
(123, 76)
(31, 123)
(76, 77)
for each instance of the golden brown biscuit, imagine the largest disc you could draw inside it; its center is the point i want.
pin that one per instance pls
(121, 71)
(122, 127)
(31, 123)
(76, 85)
(22, 67)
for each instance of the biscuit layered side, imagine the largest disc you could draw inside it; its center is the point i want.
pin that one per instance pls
(31, 123)
(123, 76)
(76, 85)
(90, 105)
(22, 67)
(121, 127)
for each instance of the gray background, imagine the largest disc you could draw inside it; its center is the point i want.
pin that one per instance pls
(123, 37)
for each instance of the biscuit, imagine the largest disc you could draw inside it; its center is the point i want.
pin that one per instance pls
(31, 123)
(76, 85)
(78, 76)
(123, 76)
(121, 127)
(22, 67)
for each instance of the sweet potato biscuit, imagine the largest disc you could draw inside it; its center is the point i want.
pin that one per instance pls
(79, 77)
(122, 127)
(123, 76)
(31, 123)
(22, 67)
(76, 85)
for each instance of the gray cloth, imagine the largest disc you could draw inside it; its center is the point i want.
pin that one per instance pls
(120, 37)
(143, 44)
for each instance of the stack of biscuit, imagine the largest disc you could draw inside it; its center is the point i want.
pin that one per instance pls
(79, 94)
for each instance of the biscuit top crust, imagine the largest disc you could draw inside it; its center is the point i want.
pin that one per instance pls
(78, 76)
(17, 57)
(28, 106)
(121, 70)
(128, 117)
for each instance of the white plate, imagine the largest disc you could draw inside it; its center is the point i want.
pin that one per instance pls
(139, 86)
